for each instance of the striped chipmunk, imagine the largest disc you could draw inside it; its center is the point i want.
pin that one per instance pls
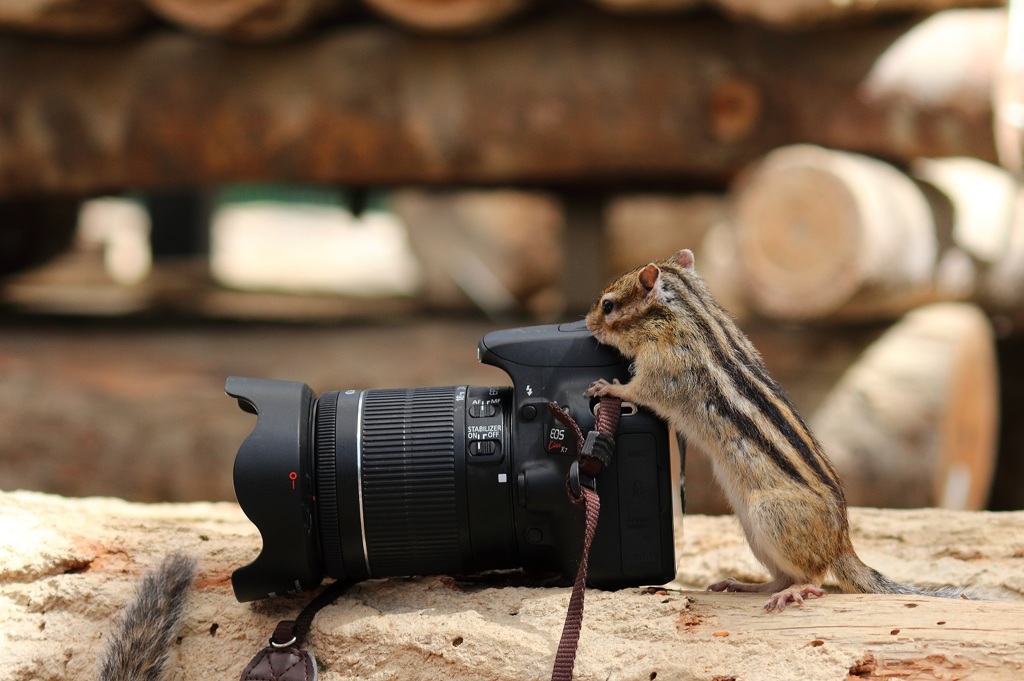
(696, 369)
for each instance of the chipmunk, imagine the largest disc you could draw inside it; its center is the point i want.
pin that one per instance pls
(141, 637)
(694, 367)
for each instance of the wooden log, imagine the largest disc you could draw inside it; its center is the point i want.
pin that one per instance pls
(498, 250)
(644, 6)
(143, 414)
(797, 14)
(1008, 93)
(824, 234)
(74, 18)
(125, 388)
(821, 233)
(68, 565)
(510, 107)
(913, 422)
(985, 224)
(640, 228)
(246, 20)
(936, 55)
(448, 16)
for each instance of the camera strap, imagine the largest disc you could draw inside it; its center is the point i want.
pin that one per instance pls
(596, 450)
(284, 659)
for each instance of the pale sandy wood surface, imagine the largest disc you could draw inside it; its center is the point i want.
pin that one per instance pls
(67, 565)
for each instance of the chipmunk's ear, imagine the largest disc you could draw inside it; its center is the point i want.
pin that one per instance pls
(684, 259)
(648, 276)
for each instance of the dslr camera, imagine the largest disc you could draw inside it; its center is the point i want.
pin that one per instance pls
(358, 484)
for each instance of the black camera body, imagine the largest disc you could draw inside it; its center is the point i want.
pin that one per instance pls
(451, 480)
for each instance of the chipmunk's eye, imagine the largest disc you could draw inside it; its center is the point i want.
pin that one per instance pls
(607, 306)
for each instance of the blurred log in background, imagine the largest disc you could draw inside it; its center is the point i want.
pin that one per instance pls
(392, 178)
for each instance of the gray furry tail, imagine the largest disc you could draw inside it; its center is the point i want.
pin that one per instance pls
(856, 577)
(887, 586)
(141, 637)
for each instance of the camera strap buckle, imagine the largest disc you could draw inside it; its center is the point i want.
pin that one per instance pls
(595, 455)
(285, 651)
(578, 480)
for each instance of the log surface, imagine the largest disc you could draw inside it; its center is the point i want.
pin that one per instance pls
(822, 234)
(448, 16)
(246, 20)
(259, 20)
(74, 18)
(807, 13)
(67, 565)
(574, 96)
(914, 422)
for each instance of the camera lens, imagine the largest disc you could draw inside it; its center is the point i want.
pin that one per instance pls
(393, 471)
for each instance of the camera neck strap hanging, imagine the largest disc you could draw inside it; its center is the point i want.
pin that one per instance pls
(284, 659)
(596, 450)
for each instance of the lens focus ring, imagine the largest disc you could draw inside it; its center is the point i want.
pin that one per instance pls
(327, 488)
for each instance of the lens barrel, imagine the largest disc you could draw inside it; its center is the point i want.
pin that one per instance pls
(393, 467)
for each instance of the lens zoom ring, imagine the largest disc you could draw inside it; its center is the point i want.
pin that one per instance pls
(411, 520)
(327, 483)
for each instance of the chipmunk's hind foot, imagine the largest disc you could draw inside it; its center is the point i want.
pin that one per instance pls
(796, 594)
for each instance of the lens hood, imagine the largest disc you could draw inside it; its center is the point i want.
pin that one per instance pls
(273, 479)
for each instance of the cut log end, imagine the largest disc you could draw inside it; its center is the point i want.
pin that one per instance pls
(797, 238)
(823, 233)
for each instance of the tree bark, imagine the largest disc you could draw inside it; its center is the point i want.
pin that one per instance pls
(576, 96)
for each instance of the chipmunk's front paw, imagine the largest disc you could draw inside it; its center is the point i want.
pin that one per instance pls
(602, 388)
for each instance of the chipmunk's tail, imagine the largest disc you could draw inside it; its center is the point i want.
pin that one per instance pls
(141, 637)
(856, 577)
